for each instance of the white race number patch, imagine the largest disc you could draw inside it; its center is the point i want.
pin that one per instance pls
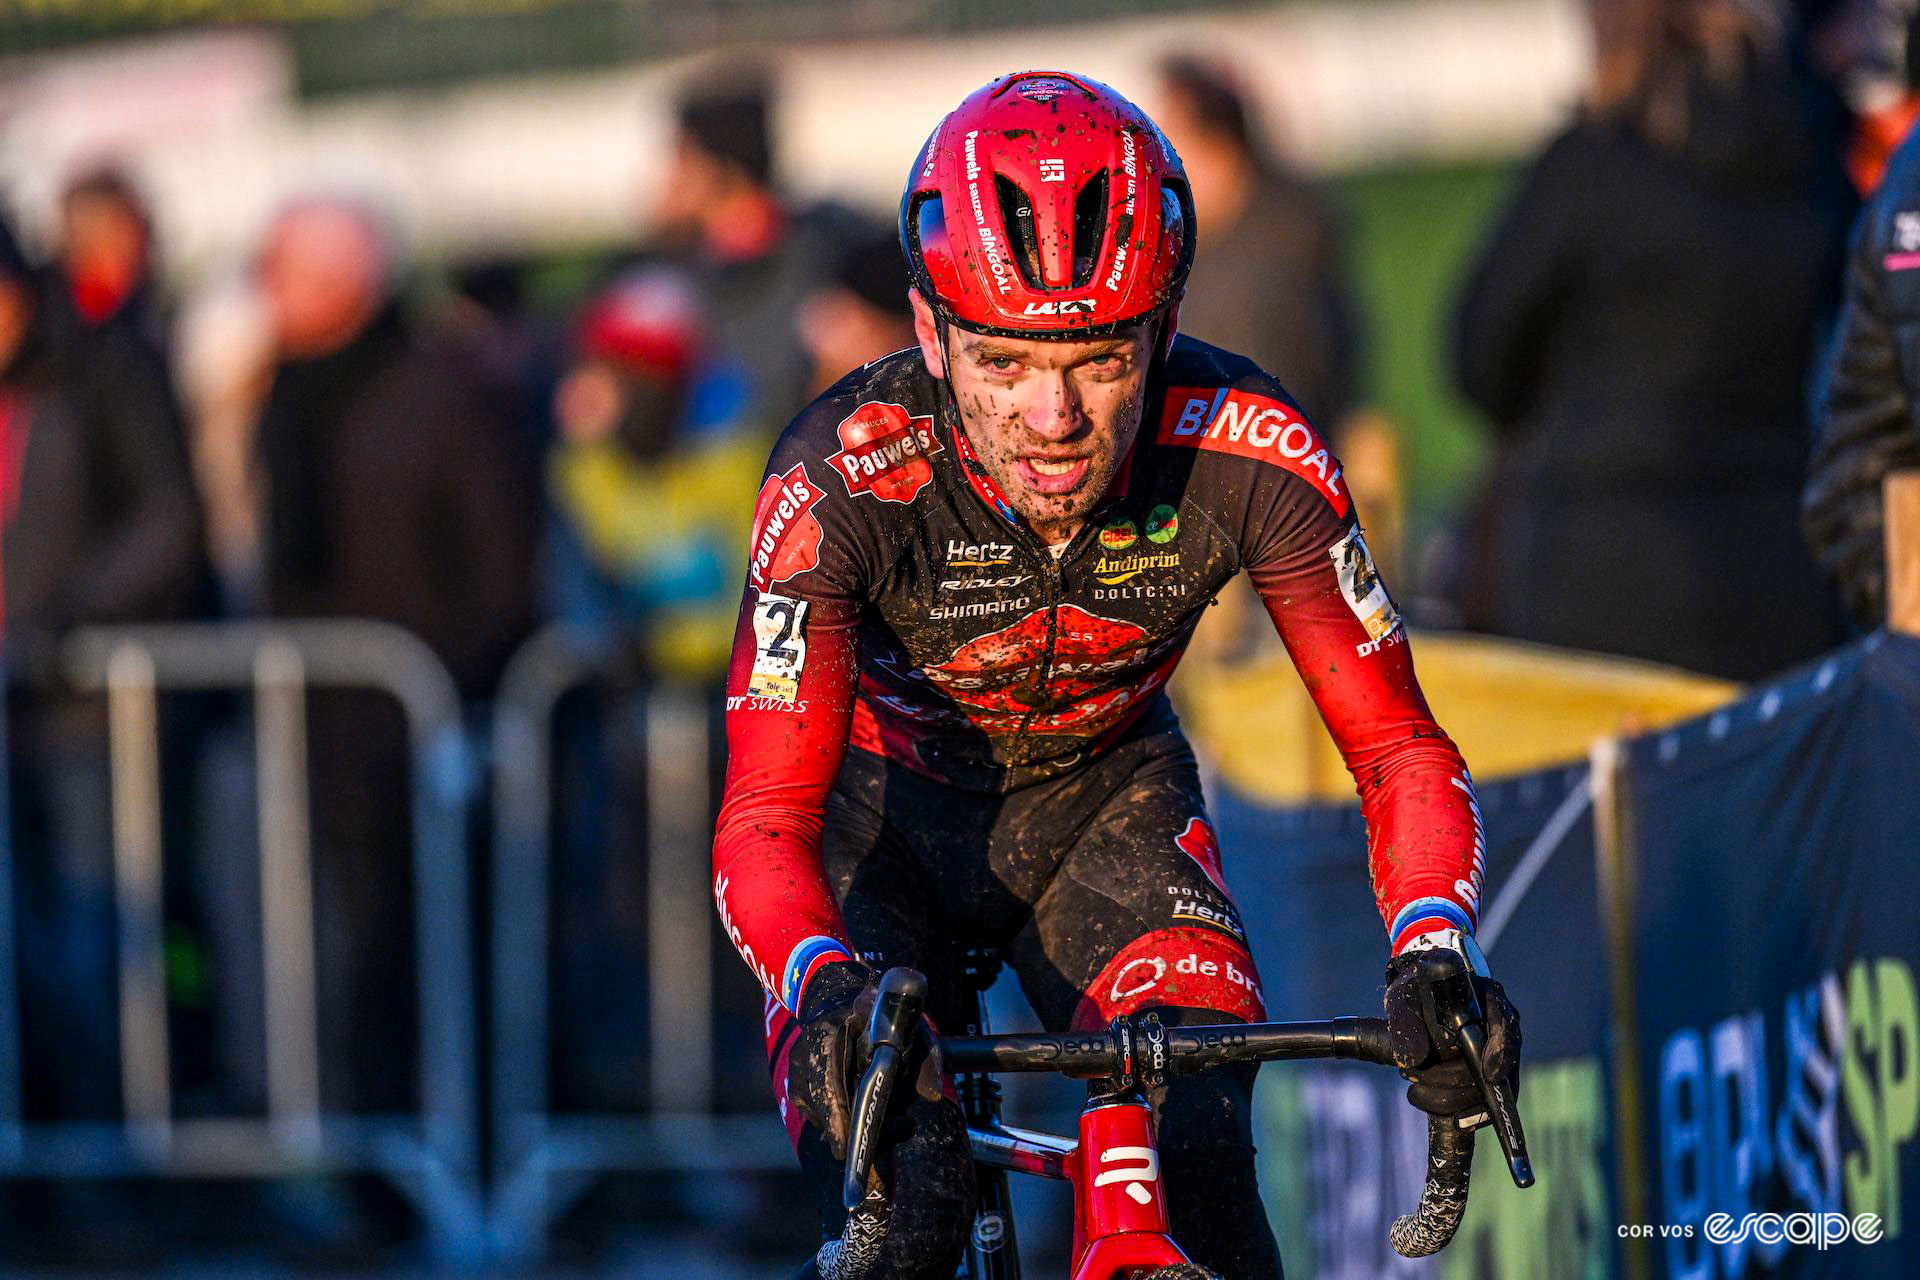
(1360, 583)
(780, 647)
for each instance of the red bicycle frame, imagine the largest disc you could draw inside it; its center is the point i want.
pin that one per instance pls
(1119, 1201)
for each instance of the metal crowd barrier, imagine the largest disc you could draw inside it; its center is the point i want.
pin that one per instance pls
(433, 1157)
(543, 1159)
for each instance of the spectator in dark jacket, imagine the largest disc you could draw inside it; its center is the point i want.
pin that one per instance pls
(751, 256)
(1637, 329)
(395, 490)
(98, 524)
(1274, 285)
(1865, 393)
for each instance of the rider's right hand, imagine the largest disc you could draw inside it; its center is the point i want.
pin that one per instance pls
(1429, 1057)
(831, 1051)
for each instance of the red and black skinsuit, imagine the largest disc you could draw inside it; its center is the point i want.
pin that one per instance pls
(941, 734)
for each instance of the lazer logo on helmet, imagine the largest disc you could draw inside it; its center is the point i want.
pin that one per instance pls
(1061, 307)
(1252, 426)
(786, 533)
(883, 452)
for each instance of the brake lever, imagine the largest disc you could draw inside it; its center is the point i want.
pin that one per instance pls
(1468, 1021)
(896, 1012)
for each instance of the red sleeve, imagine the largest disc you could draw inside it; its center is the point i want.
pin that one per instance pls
(1425, 847)
(783, 754)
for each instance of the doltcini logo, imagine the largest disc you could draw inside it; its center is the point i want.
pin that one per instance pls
(1113, 570)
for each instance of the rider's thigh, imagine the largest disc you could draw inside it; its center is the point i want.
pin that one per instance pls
(1138, 913)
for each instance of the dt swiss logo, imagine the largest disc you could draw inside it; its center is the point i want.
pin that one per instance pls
(884, 452)
(786, 534)
(1256, 427)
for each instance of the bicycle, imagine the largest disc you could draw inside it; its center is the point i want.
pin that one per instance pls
(1120, 1220)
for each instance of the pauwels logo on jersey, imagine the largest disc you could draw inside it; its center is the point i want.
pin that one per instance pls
(1253, 426)
(786, 534)
(884, 452)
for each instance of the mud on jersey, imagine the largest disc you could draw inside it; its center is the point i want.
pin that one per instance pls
(895, 602)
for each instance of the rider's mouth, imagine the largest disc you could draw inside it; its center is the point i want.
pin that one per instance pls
(1053, 475)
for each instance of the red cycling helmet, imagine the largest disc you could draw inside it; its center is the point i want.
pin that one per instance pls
(1047, 206)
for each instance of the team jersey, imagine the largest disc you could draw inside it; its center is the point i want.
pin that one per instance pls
(897, 605)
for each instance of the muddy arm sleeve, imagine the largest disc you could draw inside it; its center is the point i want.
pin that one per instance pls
(782, 757)
(1425, 848)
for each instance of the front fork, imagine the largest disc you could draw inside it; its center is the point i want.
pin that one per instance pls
(991, 1250)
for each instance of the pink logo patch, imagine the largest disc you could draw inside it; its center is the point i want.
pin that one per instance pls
(1199, 843)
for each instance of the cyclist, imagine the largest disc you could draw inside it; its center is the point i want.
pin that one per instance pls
(974, 565)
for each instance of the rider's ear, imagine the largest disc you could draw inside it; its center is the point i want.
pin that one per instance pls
(927, 333)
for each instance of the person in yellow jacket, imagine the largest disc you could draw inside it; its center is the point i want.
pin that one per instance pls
(652, 473)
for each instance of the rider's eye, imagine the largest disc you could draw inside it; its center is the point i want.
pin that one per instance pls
(1000, 364)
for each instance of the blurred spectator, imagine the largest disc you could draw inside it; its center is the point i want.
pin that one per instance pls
(106, 253)
(1642, 354)
(750, 258)
(223, 357)
(858, 315)
(1865, 394)
(512, 349)
(654, 490)
(98, 524)
(1866, 49)
(1274, 283)
(394, 491)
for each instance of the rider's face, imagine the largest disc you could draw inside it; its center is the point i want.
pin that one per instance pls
(1051, 421)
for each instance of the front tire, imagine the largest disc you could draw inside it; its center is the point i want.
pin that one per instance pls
(1184, 1271)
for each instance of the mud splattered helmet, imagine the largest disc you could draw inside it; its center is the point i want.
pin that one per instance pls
(1048, 206)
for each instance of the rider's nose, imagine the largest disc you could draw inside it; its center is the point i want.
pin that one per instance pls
(1054, 414)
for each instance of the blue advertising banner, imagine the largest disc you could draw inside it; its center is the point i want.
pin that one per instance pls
(1342, 1153)
(1776, 847)
(1766, 861)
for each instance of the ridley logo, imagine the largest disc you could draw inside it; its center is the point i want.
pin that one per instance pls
(884, 452)
(1252, 426)
(786, 534)
(1139, 1175)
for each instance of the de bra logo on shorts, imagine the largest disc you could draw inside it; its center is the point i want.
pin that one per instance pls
(884, 452)
(786, 533)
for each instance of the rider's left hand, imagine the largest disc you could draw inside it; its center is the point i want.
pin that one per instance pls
(1441, 1083)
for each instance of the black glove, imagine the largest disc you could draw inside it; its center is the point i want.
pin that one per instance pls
(1429, 1054)
(831, 1051)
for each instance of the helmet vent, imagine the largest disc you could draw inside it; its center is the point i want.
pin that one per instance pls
(1016, 213)
(1089, 228)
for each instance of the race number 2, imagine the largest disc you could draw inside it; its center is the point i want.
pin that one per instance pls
(780, 647)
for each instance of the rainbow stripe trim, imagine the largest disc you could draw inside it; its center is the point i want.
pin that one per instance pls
(803, 961)
(1423, 915)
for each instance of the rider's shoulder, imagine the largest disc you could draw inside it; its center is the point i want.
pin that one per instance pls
(845, 474)
(1232, 413)
(882, 398)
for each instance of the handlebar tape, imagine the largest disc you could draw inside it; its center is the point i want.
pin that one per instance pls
(1443, 1201)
